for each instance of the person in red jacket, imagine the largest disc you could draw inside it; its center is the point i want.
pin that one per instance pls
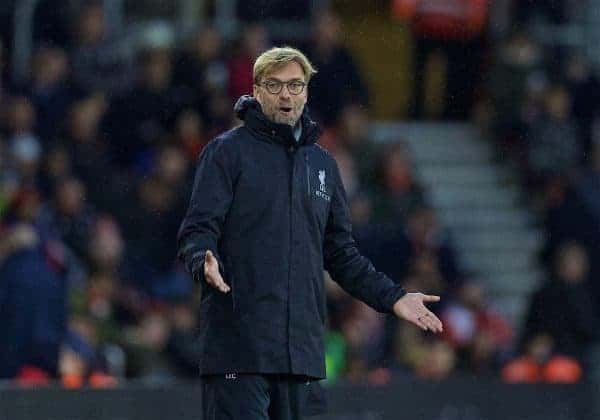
(454, 29)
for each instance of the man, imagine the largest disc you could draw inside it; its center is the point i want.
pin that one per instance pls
(268, 214)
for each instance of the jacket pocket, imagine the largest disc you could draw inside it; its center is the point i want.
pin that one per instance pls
(312, 398)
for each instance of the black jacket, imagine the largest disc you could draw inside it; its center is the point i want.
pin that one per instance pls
(274, 213)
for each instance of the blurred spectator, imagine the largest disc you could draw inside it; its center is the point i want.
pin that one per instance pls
(355, 338)
(437, 363)
(106, 247)
(183, 345)
(25, 207)
(77, 359)
(427, 237)
(398, 193)
(517, 67)
(150, 225)
(588, 187)
(385, 244)
(48, 90)
(201, 67)
(539, 363)
(582, 208)
(253, 41)
(563, 308)
(221, 115)
(554, 148)
(70, 216)
(348, 172)
(408, 347)
(424, 274)
(585, 92)
(478, 332)
(338, 81)
(103, 307)
(9, 181)
(20, 119)
(24, 146)
(172, 170)
(98, 62)
(362, 329)
(354, 136)
(140, 119)
(190, 134)
(89, 150)
(146, 345)
(33, 279)
(450, 31)
(56, 166)
(418, 268)
(3, 78)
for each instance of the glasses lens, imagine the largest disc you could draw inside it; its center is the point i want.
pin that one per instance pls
(296, 87)
(273, 87)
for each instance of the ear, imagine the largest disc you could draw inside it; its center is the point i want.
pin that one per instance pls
(255, 91)
(305, 93)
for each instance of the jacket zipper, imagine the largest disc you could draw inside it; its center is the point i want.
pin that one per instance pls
(291, 155)
(307, 174)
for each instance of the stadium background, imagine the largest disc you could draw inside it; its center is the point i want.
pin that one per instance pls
(467, 135)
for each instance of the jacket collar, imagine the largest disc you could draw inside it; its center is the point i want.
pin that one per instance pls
(248, 110)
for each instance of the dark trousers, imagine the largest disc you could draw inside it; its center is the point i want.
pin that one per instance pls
(462, 75)
(255, 397)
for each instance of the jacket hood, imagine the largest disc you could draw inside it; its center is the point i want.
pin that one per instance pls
(249, 110)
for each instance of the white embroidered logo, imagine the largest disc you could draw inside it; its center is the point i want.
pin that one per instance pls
(322, 191)
(322, 181)
(231, 376)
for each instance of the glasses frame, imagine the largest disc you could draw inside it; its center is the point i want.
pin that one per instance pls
(281, 84)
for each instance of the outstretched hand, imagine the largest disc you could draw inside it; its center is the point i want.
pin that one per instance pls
(411, 308)
(212, 274)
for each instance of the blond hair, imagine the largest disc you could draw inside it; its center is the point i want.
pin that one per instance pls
(279, 56)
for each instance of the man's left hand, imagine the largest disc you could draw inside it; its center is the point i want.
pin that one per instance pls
(411, 308)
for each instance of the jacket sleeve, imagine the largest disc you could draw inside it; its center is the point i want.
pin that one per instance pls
(211, 198)
(354, 272)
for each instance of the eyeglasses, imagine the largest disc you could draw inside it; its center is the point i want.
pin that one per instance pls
(274, 87)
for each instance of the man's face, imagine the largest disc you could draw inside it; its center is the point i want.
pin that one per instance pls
(283, 107)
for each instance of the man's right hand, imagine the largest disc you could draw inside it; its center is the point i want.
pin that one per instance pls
(212, 275)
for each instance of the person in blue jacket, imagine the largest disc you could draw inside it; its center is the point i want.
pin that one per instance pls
(267, 215)
(33, 305)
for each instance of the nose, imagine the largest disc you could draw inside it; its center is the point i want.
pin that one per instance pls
(285, 93)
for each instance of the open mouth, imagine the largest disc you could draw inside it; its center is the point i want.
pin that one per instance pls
(285, 109)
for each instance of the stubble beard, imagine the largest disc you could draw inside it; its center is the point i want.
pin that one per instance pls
(277, 117)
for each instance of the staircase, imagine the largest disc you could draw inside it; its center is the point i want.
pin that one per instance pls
(492, 231)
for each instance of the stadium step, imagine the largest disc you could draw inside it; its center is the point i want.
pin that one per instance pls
(473, 175)
(456, 196)
(503, 261)
(508, 218)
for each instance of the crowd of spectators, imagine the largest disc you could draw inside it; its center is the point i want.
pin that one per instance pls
(542, 113)
(97, 151)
